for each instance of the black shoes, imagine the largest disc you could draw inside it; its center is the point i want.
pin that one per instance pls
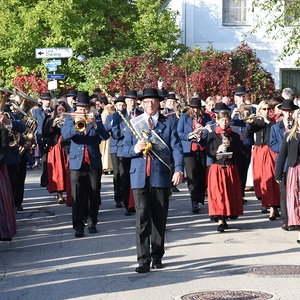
(20, 208)
(221, 228)
(119, 204)
(195, 207)
(156, 264)
(175, 189)
(142, 269)
(129, 211)
(92, 229)
(79, 233)
(225, 225)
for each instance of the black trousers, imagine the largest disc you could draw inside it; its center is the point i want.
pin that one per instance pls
(243, 165)
(195, 168)
(85, 186)
(44, 154)
(125, 179)
(22, 176)
(121, 178)
(151, 205)
(116, 178)
(283, 205)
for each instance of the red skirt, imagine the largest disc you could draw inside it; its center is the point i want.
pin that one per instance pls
(59, 171)
(263, 170)
(224, 191)
(293, 195)
(7, 211)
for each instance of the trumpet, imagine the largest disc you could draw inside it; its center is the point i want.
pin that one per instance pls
(257, 116)
(81, 120)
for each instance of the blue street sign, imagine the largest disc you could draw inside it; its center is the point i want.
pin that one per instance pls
(56, 76)
(55, 62)
(52, 68)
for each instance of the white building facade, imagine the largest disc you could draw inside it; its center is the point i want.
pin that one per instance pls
(225, 24)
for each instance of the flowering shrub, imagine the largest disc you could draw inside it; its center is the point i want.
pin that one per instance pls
(32, 84)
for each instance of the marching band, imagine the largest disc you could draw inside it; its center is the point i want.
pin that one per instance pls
(68, 135)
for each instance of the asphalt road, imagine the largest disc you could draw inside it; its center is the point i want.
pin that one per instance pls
(45, 260)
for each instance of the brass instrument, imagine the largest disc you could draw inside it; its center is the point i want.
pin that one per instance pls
(81, 120)
(148, 147)
(5, 95)
(25, 104)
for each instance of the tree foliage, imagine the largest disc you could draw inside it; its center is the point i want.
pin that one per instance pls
(281, 20)
(93, 28)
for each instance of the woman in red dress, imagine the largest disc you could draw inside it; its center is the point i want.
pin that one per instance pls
(290, 155)
(7, 211)
(263, 160)
(224, 186)
(57, 160)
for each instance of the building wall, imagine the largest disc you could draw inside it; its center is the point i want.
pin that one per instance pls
(201, 24)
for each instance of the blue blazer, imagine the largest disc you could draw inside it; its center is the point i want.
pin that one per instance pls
(185, 127)
(119, 127)
(276, 138)
(160, 175)
(92, 139)
(108, 127)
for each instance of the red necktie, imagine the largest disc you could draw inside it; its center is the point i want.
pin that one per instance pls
(151, 123)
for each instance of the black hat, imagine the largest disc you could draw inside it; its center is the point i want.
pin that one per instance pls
(151, 93)
(220, 106)
(46, 96)
(163, 92)
(120, 99)
(288, 105)
(172, 97)
(97, 90)
(83, 98)
(195, 103)
(240, 90)
(131, 94)
(71, 93)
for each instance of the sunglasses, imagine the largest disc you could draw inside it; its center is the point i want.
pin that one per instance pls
(266, 109)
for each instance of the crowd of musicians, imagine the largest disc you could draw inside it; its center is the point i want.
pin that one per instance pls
(152, 141)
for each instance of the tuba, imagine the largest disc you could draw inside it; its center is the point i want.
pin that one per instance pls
(5, 95)
(24, 104)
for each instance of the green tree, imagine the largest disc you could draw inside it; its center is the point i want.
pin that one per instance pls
(93, 28)
(281, 20)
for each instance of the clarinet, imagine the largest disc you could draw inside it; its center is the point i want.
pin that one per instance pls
(223, 142)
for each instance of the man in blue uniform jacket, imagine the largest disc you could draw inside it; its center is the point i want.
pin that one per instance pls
(151, 176)
(85, 163)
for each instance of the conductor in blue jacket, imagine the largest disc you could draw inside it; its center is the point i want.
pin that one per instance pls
(85, 162)
(152, 142)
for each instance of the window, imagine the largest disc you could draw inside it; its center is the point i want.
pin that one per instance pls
(235, 13)
(291, 78)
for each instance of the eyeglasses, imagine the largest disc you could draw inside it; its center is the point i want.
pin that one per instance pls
(266, 108)
(148, 102)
